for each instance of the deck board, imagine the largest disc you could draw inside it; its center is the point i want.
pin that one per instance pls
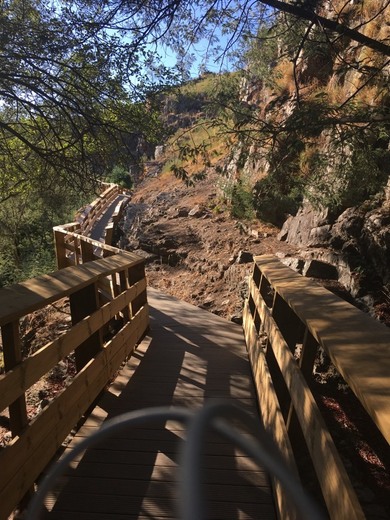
(191, 357)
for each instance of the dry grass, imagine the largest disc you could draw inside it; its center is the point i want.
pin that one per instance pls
(284, 74)
(369, 8)
(307, 159)
(370, 95)
(359, 11)
(337, 92)
(199, 134)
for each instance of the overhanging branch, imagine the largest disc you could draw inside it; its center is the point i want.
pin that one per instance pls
(339, 28)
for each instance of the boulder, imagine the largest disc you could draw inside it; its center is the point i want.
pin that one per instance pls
(297, 264)
(180, 212)
(196, 212)
(244, 257)
(308, 227)
(159, 152)
(318, 269)
(356, 245)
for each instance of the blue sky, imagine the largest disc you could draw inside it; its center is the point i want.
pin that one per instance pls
(200, 51)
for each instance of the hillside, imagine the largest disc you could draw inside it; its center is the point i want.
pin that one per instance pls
(198, 252)
(200, 238)
(247, 202)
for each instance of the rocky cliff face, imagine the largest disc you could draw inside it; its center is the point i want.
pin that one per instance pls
(357, 243)
(328, 181)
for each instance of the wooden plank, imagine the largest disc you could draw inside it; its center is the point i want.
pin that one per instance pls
(24, 459)
(113, 250)
(108, 474)
(156, 507)
(239, 514)
(235, 491)
(337, 490)
(115, 463)
(357, 344)
(271, 415)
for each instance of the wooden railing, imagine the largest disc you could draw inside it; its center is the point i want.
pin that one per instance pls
(116, 217)
(106, 288)
(87, 217)
(292, 313)
(72, 244)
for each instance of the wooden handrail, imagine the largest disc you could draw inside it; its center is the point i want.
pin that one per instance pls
(104, 284)
(35, 442)
(291, 310)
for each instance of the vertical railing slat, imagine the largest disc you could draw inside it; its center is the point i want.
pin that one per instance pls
(83, 303)
(12, 352)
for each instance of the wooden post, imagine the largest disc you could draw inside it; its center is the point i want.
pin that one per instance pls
(59, 240)
(109, 234)
(83, 303)
(306, 363)
(308, 355)
(86, 251)
(267, 291)
(12, 352)
(256, 275)
(124, 284)
(137, 273)
(278, 310)
(287, 321)
(77, 252)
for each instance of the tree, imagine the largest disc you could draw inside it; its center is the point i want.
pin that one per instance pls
(68, 103)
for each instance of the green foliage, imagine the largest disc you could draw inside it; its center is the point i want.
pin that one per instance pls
(73, 94)
(242, 201)
(273, 203)
(119, 175)
(225, 92)
(352, 171)
(26, 234)
(261, 54)
(239, 197)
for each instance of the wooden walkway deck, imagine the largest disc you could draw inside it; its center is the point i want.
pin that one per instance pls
(98, 230)
(192, 356)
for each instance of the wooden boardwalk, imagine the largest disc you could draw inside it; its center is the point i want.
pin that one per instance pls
(192, 356)
(98, 230)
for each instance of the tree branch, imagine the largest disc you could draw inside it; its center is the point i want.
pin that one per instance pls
(337, 27)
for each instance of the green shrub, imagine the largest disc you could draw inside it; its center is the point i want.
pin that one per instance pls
(242, 201)
(119, 175)
(271, 204)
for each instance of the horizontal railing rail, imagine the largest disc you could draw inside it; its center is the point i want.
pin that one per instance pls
(285, 313)
(34, 442)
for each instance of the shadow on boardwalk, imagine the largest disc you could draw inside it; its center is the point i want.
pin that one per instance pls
(191, 356)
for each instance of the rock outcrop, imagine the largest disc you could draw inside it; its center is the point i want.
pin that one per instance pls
(356, 243)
